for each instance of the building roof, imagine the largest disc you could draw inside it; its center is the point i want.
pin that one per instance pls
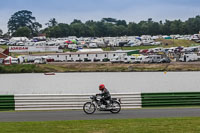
(76, 53)
(2, 55)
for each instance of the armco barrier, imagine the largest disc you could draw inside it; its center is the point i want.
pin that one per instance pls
(59, 101)
(170, 99)
(7, 102)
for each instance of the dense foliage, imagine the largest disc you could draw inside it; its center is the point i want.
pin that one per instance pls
(21, 19)
(20, 68)
(22, 31)
(114, 27)
(105, 27)
(1, 32)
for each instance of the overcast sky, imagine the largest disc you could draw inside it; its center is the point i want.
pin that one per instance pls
(130, 10)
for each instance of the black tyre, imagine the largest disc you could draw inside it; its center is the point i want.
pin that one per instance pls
(89, 108)
(116, 107)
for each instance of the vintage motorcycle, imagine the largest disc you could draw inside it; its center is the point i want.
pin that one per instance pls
(113, 105)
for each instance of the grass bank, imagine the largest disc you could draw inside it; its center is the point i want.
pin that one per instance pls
(160, 125)
(20, 68)
(108, 67)
(175, 43)
(98, 67)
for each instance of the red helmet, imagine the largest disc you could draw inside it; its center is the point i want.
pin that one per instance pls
(101, 86)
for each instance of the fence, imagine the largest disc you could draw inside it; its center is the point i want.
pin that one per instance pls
(170, 99)
(59, 102)
(72, 101)
(7, 102)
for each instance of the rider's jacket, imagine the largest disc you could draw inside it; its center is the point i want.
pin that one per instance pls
(105, 93)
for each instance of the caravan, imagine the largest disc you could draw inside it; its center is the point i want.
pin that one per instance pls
(40, 60)
(117, 59)
(155, 58)
(189, 58)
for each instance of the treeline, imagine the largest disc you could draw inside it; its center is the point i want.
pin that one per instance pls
(23, 23)
(112, 27)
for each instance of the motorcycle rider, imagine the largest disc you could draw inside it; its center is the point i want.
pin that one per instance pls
(105, 95)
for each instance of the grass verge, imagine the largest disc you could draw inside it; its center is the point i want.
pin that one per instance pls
(20, 68)
(160, 125)
(98, 67)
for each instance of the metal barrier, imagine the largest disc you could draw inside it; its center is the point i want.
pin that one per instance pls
(67, 101)
(7, 102)
(170, 99)
(76, 101)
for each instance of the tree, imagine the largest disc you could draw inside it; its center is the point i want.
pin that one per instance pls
(23, 18)
(114, 27)
(166, 27)
(175, 27)
(1, 32)
(133, 29)
(22, 32)
(52, 22)
(121, 22)
(76, 21)
(109, 20)
(78, 29)
(61, 30)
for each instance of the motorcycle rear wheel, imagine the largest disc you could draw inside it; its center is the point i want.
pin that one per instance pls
(89, 108)
(117, 107)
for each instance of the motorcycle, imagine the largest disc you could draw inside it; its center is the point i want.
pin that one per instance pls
(95, 104)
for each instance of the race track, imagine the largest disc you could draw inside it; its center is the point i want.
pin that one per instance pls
(80, 115)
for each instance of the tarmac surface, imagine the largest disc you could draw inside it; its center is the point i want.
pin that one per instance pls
(80, 115)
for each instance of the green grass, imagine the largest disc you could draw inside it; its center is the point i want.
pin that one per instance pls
(96, 67)
(3, 46)
(169, 42)
(176, 43)
(160, 125)
(20, 68)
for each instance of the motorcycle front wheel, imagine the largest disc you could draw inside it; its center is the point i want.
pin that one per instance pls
(89, 108)
(116, 107)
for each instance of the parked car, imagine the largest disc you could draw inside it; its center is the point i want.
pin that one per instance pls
(165, 60)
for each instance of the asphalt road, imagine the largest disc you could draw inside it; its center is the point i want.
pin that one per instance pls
(80, 115)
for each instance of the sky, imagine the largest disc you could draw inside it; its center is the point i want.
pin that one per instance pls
(65, 11)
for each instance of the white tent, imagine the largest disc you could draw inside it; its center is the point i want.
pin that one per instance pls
(10, 60)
